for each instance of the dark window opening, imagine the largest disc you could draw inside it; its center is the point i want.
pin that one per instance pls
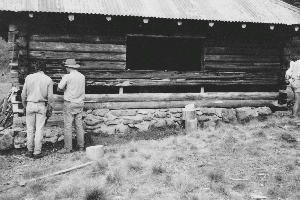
(164, 53)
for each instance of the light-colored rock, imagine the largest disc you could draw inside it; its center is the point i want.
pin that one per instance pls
(160, 123)
(229, 115)
(133, 119)
(61, 138)
(6, 141)
(19, 122)
(212, 111)
(106, 130)
(110, 116)
(245, 114)
(124, 112)
(131, 125)
(199, 113)
(264, 111)
(170, 122)
(143, 112)
(178, 115)
(1, 128)
(144, 126)
(122, 128)
(95, 152)
(282, 113)
(92, 120)
(100, 112)
(175, 110)
(147, 118)
(113, 122)
(161, 114)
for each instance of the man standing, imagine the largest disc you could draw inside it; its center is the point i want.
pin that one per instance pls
(37, 92)
(293, 74)
(73, 86)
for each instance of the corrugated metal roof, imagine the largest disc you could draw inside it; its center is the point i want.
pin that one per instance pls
(257, 11)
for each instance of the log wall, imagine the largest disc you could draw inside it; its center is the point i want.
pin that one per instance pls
(101, 51)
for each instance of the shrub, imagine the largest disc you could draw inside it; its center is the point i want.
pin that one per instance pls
(95, 193)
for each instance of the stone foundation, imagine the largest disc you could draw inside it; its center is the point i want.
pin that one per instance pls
(108, 122)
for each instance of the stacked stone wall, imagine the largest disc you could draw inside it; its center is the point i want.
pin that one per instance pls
(108, 122)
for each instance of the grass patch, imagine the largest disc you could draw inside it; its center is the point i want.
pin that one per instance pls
(180, 167)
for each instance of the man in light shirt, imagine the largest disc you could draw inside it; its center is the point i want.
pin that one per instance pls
(37, 92)
(73, 86)
(293, 75)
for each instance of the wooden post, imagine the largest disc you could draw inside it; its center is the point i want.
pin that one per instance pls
(189, 115)
(202, 90)
(120, 90)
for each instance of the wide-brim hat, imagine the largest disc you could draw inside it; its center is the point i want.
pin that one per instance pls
(71, 63)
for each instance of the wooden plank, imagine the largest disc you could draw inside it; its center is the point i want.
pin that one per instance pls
(242, 58)
(241, 51)
(242, 43)
(167, 76)
(86, 65)
(172, 104)
(145, 97)
(242, 66)
(93, 39)
(116, 83)
(76, 47)
(51, 55)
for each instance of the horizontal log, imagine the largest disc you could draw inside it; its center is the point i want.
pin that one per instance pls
(76, 47)
(51, 55)
(143, 83)
(241, 51)
(94, 39)
(243, 43)
(57, 106)
(145, 97)
(242, 58)
(85, 65)
(159, 75)
(214, 66)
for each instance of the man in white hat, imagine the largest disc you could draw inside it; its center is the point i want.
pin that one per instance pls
(73, 86)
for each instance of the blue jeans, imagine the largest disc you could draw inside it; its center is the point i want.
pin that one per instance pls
(35, 120)
(73, 111)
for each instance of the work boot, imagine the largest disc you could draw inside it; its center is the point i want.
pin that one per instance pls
(38, 156)
(64, 151)
(29, 154)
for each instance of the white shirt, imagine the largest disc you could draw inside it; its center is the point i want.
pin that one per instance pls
(38, 87)
(74, 85)
(294, 70)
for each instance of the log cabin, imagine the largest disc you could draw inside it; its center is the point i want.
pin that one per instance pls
(157, 54)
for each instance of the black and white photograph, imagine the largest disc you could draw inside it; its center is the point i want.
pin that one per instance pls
(149, 100)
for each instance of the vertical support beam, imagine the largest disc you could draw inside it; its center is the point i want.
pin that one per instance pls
(120, 90)
(202, 90)
(13, 54)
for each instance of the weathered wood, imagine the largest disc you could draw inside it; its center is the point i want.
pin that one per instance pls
(171, 75)
(143, 83)
(96, 39)
(76, 47)
(241, 51)
(79, 56)
(21, 42)
(145, 97)
(242, 58)
(191, 125)
(172, 104)
(242, 43)
(214, 66)
(86, 65)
